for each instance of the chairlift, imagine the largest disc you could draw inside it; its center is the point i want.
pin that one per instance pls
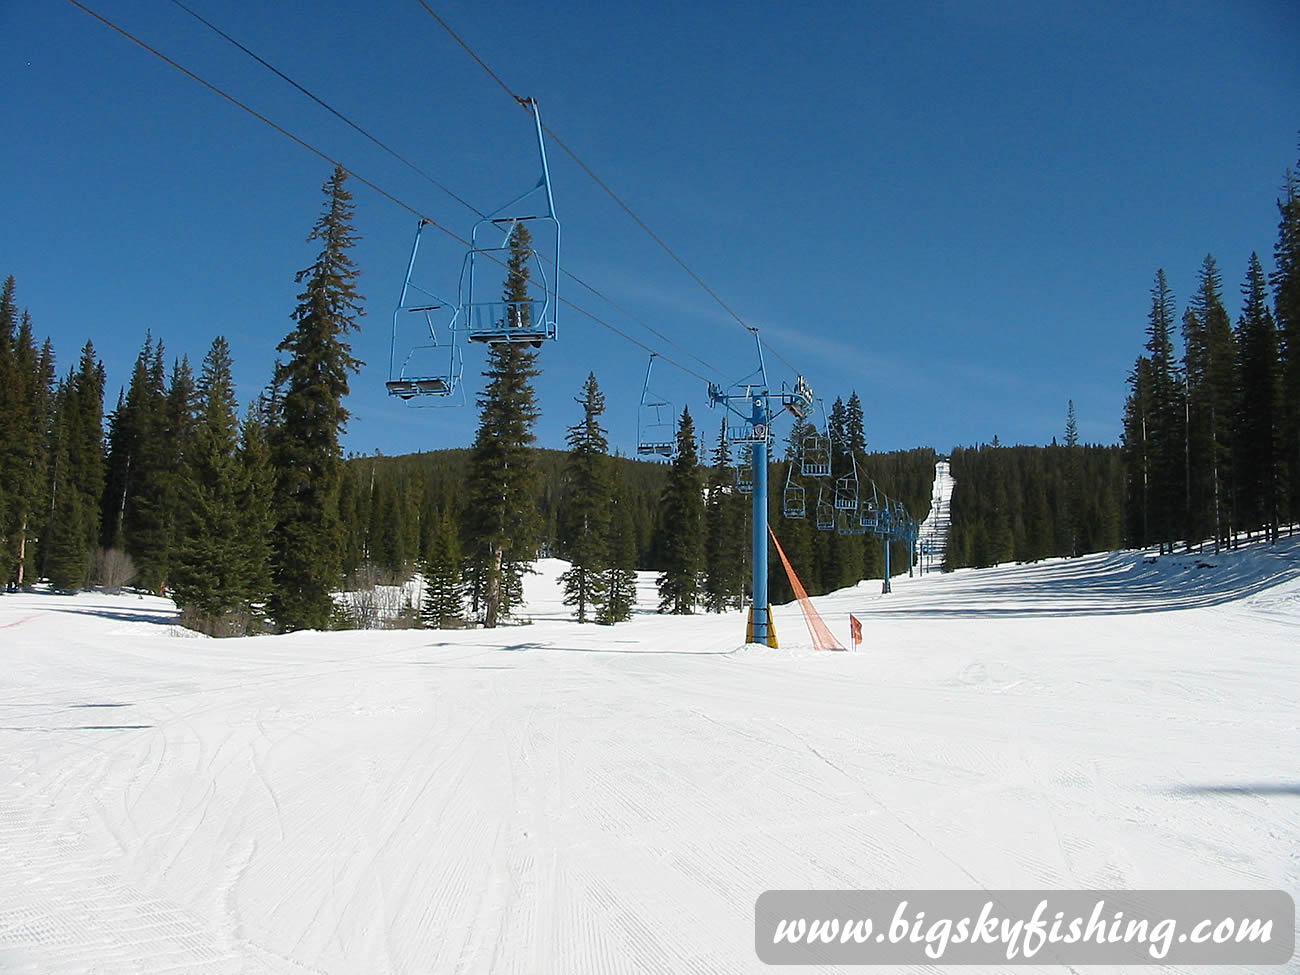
(527, 321)
(848, 523)
(431, 369)
(794, 502)
(745, 471)
(825, 512)
(869, 511)
(815, 455)
(846, 488)
(655, 421)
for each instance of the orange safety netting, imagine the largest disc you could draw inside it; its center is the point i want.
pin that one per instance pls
(821, 634)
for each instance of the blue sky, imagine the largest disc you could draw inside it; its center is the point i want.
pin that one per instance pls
(955, 209)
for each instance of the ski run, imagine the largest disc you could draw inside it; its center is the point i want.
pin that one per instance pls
(556, 798)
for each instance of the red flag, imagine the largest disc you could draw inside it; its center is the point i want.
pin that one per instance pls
(855, 628)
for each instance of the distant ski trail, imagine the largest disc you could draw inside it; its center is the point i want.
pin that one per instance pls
(933, 536)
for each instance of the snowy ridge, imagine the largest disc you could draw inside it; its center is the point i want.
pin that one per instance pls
(933, 536)
(608, 800)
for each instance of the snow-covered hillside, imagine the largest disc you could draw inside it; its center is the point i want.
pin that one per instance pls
(551, 798)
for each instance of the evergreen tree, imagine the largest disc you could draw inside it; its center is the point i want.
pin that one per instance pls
(78, 473)
(257, 513)
(128, 428)
(444, 590)
(855, 436)
(1166, 481)
(1286, 285)
(209, 577)
(306, 456)
(1211, 383)
(146, 449)
(618, 587)
(503, 525)
(1258, 440)
(724, 541)
(26, 377)
(681, 513)
(1071, 426)
(589, 481)
(1137, 453)
(836, 421)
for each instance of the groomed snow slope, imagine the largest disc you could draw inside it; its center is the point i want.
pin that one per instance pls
(553, 798)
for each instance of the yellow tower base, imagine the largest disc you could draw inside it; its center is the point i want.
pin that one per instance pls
(771, 628)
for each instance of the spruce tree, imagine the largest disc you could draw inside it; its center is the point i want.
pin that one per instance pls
(1259, 422)
(306, 455)
(444, 591)
(1166, 492)
(503, 526)
(1071, 426)
(209, 574)
(618, 583)
(78, 475)
(681, 512)
(1210, 368)
(1136, 441)
(589, 481)
(724, 529)
(1286, 287)
(257, 513)
(26, 377)
(148, 502)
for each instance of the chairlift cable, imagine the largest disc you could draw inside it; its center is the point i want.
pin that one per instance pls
(417, 169)
(330, 108)
(753, 330)
(321, 154)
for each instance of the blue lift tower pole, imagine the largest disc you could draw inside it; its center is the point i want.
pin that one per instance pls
(760, 420)
(755, 432)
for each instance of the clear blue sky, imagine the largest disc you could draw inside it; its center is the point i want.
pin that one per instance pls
(955, 209)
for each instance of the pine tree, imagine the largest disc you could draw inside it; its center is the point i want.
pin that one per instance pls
(855, 436)
(1137, 453)
(724, 542)
(681, 514)
(1165, 435)
(257, 513)
(1071, 426)
(146, 450)
(25, 400)
(209, 574)
(444, 590)
(1286, 285)
(1259, 422)
(77, 484)
(306, 455)
(618, 587)
(1210, 369)
(589, 480)
(835, 429)
(503, 526)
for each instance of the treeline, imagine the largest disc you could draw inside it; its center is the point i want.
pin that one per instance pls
(1212, 431)
(175, 499)
(1027, 503)
(252, 520)
(235, 518)
(393, 510)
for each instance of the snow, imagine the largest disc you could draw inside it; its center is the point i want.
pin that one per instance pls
(932, 538)
(555, 798)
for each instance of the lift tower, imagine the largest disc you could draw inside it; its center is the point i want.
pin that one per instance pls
(756, 406)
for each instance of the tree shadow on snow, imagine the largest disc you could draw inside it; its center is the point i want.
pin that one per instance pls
(123, 616)
(1244, 789)
(1119, 585)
